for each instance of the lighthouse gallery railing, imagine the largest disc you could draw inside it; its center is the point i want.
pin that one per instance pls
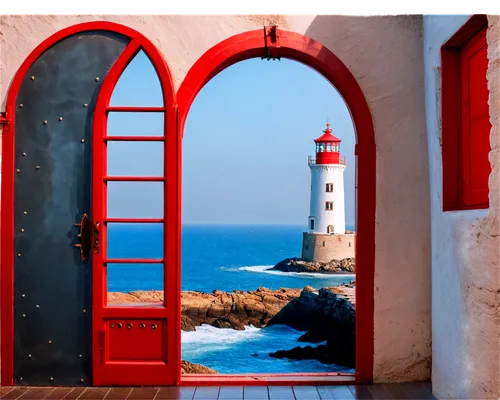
(312, 160)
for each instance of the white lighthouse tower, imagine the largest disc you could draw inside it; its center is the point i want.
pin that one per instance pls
(326, 237)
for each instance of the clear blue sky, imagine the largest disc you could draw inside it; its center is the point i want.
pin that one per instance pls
(245, 148)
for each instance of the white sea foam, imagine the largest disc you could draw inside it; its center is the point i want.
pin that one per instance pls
(208, 339)
(266, 269)
(206, 334)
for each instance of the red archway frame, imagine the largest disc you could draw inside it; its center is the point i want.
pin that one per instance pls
(237, 48)
(279, 43)
(171, 207)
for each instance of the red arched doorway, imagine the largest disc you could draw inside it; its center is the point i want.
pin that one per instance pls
(273, 42)
(107, 345)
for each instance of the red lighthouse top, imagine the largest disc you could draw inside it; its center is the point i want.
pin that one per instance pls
(327, 148)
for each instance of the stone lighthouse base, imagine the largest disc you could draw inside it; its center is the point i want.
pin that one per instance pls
(326, 247)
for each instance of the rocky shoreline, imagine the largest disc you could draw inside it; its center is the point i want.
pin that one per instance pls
(324, 315)
(233, 310)
(345, 266)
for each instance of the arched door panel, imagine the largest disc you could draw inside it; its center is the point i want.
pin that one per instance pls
(55, 323)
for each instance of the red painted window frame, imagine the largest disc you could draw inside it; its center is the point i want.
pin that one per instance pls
(272, 41)
(453, 120)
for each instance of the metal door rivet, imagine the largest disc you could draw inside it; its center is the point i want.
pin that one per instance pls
(23, 295)
(21, 378)
(60, 118)
(37, 306)
(29, 355)
(119, 325)
(45, 122)
(51, 379)
(19, 254)
(85, 105)
(21, 105)
(49, 342)
(32, 78)
(82, 380)
(18, 170)
(79, 356)
(24, 154)
(142, 326)
(129, 326)
(153, 326)
(113, 325)
(97, 79)
(22, 229)
(83, 140)
(37, 167)
(25, 213)
(24, 315)
(84, 310)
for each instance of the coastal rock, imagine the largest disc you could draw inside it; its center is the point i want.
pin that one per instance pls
(232, 310)
(344, 266)
(327, 316)
(191, 368)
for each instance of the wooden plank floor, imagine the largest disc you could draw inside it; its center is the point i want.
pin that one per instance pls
(420, 391)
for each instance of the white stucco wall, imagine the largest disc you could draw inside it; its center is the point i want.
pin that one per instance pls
(320, 176)
(465, 264)
(385, 54)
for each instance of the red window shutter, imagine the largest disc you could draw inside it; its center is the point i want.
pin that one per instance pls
(476, 125)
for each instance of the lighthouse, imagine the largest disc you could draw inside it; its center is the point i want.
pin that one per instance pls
(326, 237)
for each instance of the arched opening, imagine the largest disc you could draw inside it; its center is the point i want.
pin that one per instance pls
(273, 42)
(245, 213)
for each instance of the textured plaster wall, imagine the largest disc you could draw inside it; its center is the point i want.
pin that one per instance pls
(385, 54)
(324, 248)
(465, 245)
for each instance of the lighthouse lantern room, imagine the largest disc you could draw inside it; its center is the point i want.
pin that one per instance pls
(327, 148)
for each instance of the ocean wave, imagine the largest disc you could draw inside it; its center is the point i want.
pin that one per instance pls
(206, 334)
(266, 269)
(230, 269)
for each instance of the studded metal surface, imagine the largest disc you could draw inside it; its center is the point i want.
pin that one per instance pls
(52, 191)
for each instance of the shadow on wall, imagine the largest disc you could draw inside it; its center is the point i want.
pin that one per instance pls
(385, 55)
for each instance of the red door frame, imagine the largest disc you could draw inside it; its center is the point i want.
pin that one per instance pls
(273, 42)
(136, 373)
(171, 206)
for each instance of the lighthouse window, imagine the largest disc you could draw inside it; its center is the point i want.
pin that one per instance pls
(329, 187)
(329, 205)
(312, 224)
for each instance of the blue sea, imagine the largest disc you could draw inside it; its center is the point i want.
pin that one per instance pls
(222, 257)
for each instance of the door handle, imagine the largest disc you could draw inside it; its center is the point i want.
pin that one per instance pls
(84, 236)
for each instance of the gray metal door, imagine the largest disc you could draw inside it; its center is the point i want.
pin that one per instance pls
(52, 189)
